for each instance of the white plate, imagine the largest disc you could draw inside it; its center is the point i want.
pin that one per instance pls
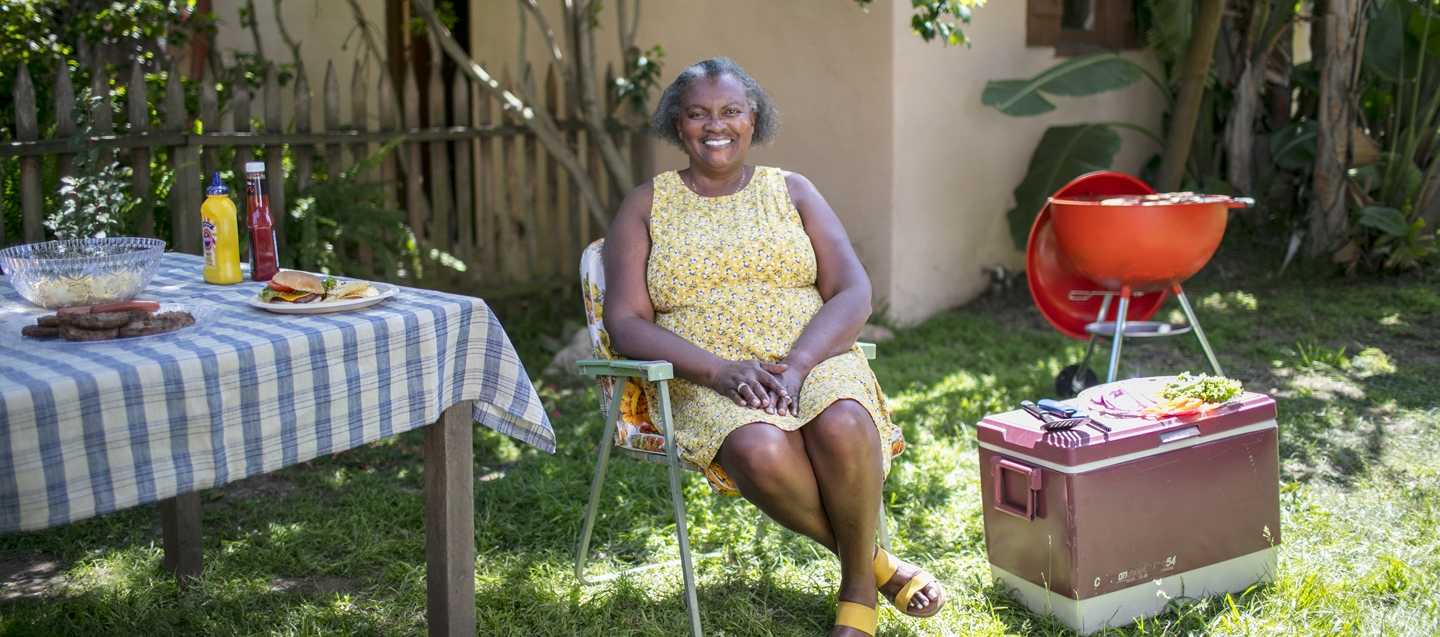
(386, 291)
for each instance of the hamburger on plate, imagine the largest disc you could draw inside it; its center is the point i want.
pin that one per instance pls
(293, 286)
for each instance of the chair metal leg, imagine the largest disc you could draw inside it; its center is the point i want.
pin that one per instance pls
(677, 500)
(602, 460)
(884, 525)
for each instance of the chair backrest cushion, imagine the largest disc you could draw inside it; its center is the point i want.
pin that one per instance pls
(635, 429)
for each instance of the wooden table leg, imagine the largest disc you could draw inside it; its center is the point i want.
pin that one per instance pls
(180, 526)
(450, 523)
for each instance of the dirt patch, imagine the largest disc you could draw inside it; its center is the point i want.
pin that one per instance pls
(261, 486)
(30, 576)
(1012, 307)
(313, 585)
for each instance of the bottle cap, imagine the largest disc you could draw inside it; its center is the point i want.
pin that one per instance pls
(254, 167)
(216, 187)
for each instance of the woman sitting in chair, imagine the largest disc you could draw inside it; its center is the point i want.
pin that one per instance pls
(743, 278)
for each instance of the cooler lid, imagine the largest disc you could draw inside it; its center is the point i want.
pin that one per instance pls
(1022, 433)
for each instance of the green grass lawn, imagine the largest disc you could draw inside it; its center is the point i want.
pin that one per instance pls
(335, 546)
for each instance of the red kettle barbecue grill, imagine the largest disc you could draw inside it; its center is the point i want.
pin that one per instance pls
(1097, 240)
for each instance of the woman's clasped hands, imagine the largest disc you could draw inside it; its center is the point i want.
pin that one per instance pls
(771, 387)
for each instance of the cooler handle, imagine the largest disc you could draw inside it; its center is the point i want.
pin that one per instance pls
(998, 467)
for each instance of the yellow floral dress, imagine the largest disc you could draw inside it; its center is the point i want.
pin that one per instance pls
(735, 275)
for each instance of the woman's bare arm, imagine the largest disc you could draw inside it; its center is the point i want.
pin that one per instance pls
(843, 284)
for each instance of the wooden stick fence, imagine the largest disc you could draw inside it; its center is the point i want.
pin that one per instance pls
(474, 182)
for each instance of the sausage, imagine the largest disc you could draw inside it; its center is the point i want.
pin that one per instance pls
(49, 320)
(128, 306)
(68, 311)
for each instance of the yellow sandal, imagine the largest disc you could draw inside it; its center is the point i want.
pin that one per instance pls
(858, 616)
(886, 565)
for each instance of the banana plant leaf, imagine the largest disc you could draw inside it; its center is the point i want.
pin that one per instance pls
(1385, 42)
(1387, 220)
(1424, 26)
(1293, 147)
(1064, 153)
(1080, 76)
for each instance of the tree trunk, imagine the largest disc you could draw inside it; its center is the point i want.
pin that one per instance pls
(1192, 91)
(1240, 130)
(1251, 57)
(1329, 214)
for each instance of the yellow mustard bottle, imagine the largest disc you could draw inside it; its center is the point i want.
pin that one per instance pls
(220, 234)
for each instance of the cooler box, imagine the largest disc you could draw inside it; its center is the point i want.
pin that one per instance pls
(1101, 528)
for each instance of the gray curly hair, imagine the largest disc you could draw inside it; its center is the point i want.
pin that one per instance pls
(767, 118)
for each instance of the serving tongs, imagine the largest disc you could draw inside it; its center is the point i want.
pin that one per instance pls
(1051, 422)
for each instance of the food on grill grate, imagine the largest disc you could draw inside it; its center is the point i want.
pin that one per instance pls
(1163, 199)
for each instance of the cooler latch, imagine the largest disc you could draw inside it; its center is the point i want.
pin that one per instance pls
(998, 467)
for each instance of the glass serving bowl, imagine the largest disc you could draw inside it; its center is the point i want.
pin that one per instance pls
(71, 272)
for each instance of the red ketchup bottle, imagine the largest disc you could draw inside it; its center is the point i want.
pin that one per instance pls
(264, 254)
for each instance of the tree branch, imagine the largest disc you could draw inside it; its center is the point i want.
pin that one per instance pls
(366, 34)
(627, 37)
(590, 113)
(1192, 90)
(285, 34)
(537, 120)
(544, 26)
(255, 29)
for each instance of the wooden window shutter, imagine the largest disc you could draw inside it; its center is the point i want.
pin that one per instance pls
(1042, 22)
(1115, 24)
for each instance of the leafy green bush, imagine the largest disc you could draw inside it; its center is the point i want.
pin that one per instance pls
(341, 225)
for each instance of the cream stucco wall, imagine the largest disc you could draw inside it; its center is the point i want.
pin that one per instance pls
(957, 161)
(889, 128)
(824, 63)
(325, 31)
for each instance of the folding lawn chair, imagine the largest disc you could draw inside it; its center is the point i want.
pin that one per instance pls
(631, 427)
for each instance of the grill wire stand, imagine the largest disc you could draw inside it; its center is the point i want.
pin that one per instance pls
(1077, 377)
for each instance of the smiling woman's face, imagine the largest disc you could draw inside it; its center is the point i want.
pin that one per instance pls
(716, 123)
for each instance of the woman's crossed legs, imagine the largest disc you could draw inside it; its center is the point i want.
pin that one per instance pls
(822, 481)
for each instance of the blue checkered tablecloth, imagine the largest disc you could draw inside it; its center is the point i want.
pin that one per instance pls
(89, 428)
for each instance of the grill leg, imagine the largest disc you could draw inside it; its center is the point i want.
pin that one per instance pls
(1199, 333)
(1077, 382)
(1119, 338)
